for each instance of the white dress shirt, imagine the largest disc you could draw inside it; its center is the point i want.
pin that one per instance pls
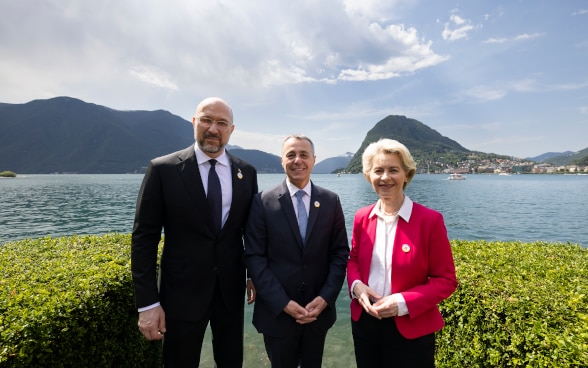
(380, 277)
(223, 169)
(306, 198)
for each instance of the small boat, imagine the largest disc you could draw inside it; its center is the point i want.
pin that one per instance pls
(456, 177)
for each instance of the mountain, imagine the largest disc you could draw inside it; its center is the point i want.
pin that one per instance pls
(265, 163)
(548, 155)
(67, 135)
(425, 143)
(569, 158)
(331, 164)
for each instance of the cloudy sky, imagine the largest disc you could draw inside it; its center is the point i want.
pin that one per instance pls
(507, 77)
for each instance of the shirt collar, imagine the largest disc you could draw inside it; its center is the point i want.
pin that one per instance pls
(405, 210)
(202, 157)
(293, 188)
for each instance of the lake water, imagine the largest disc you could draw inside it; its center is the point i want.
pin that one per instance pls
(553, 208)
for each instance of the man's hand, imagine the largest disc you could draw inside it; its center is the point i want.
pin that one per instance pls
(314, 308)
(152, 323)
(295, 311)
(251, 293)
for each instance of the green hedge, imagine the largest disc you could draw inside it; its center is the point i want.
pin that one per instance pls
(517, 305)
(68, 302)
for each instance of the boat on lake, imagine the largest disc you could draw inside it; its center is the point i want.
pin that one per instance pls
(456, 176)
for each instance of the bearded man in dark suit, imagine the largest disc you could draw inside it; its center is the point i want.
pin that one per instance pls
(201, 276)
(296, 252)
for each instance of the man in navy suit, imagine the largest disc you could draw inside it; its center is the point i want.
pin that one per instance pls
(201, 275)
(296, 255)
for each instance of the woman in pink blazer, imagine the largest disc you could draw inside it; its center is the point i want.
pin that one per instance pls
(400, 267)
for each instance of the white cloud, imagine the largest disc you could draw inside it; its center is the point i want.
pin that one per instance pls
(412, 55)
(580, 12)
(153, 76)
(526, 85)
(521, 37)
(496, 40)
(571, 86)
(381, 10)
(525, 36)
(486, 93)
(245, 45)
(457, 28)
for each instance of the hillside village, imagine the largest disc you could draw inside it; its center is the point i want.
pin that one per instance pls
(475, 165)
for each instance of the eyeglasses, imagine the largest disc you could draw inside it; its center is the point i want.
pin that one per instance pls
(207, 122)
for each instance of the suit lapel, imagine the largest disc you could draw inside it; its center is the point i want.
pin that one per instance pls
(190, 174)
(367, 247)
(239, 192)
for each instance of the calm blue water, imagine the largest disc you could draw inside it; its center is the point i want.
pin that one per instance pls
(518, 207)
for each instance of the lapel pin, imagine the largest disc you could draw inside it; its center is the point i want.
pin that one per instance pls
(239, 174)
(317, 204)
(405, 248)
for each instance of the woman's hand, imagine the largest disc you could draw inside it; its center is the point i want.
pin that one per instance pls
(386, 307)
(366, 296)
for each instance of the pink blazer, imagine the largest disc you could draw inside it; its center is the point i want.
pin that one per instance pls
(422, 266)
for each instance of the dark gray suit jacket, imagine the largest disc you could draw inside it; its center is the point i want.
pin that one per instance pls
(283, 269)
(172, 197)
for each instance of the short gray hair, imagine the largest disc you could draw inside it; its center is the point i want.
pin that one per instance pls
(301, 137)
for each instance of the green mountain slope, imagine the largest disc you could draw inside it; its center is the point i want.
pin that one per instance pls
(424, 143)
(265, 163)
(65, 134)
(576, 158)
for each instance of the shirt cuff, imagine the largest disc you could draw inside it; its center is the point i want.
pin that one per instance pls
(353, 296)
(402, 308)
(149, 307)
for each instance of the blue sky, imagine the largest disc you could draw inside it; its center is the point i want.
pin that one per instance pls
(506, 77)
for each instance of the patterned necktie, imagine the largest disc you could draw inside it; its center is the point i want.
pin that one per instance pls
(302, 216)
(215, 201)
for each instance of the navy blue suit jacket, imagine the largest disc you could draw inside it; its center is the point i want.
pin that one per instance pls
(283, 269)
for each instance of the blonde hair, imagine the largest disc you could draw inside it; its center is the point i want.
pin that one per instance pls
(389, 146)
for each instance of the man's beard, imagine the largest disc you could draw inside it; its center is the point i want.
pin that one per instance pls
(210, 148)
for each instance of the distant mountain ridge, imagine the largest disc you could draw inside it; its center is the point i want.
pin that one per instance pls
(64, 134)
(548, 155)
(67, 135)
(332, 164)
(569, 158)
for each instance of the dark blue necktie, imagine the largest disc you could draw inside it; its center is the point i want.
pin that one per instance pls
(215, 197)
(302, 216)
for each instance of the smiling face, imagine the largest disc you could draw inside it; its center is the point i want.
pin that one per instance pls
(298, 160)
(212, 138)
(387, 176)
